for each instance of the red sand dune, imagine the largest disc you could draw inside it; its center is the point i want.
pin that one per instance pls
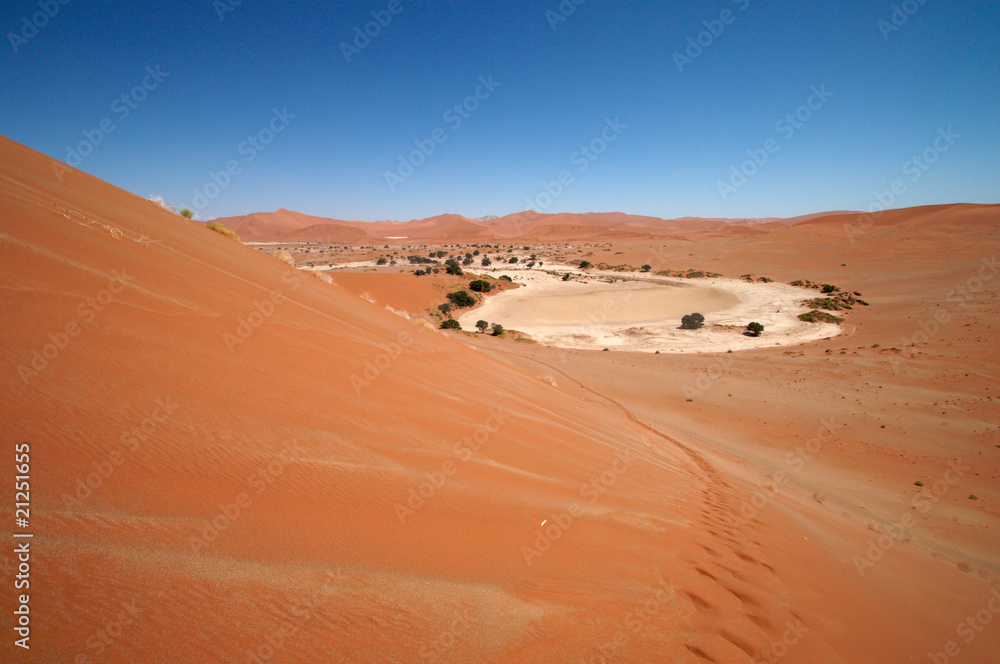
(285, 225)
(232, 461)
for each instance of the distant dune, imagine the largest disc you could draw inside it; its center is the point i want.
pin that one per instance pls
(233, 461)
(285, 225)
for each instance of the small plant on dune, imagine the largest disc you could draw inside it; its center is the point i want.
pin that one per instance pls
(829, 288)
(219, 228)
(585, 265)
(186, 213)
(497, 329)
(481, 325)
(692, 321)
(506, 278)
(445, 308)
(755, 328)
(450, 324)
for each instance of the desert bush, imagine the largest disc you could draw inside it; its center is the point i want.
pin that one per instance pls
(381, 261)
(186, 213)
(461, 299)
(585, 265)
(829, 288)
(819, 317)
(497, 329)
(450, 324)
(692, 321)
(481, 325)
(647, 268)
(755, 328)
(228, 232)
(506, 278)
(480, 286)
(486, 261)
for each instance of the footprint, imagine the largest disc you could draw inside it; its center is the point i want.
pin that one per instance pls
(698, 652)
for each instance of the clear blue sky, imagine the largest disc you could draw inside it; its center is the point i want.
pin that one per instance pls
(892, 90)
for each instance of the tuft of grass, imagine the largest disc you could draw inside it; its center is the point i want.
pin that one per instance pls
(918, 483)
(973, 496)
(219, 228)
(690, 399)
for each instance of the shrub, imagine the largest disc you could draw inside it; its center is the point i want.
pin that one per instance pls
(454, 269)
(819, 317)
(647, 268)
(419, 273)
(497, 329)
(513, 259)
(186, 213)
(755, 328)
(482, 325)
(585, 264)
(445, 308)
(461, 299)
(566, 277)
(381, 261)
(228, 232)
(692, 321)
(829, 288)
(486, 261)
(450, 324)
(480, 286)
(506, 278)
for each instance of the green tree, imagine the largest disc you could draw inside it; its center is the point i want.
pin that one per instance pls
(497, 329)
(480, 286)
(186, 213)
(381, 261)
(647, 268)
(486, 261)
(755, 328)
(585, 264)
(461, 299)
(450, 324)
(692, 321)
(482, 325)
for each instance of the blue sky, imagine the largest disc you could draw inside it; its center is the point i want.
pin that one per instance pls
(591, 113)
